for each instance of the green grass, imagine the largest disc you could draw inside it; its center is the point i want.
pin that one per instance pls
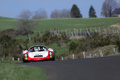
(11, 71)
(117, 54)
(47, 24)
(59, 50)
(7, 23)
(69, 23)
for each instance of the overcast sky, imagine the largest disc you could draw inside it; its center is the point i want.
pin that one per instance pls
(12, 8)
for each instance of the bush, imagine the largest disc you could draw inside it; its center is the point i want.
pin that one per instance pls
(92, 42)
(9, 46)
(50, 37)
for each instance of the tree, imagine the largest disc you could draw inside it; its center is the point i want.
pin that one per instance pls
(108, 7)
(75, 12)
(65, 13)
(55, 14)
(40, 14)
(25, 14)
(25, 25)
(92, 12)
(60, 14)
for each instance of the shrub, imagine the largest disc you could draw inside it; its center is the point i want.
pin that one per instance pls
(92, 42)
(9, 46)
(50, 37)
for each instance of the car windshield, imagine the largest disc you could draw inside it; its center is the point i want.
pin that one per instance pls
(38, 49)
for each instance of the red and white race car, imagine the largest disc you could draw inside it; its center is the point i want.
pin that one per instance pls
(37, 53)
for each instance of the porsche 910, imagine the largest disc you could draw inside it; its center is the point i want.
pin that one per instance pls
(38, 53)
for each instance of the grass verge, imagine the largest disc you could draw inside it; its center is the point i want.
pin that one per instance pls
(11, 71)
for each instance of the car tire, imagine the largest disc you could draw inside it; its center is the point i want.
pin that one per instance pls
(24, 61)
(53, 59)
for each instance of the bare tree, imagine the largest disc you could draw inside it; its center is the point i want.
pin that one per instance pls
(25, 25)
(65, 13)
(108, 7)
(60, 14)
(39, 14)
(55, 14)
(25, 14)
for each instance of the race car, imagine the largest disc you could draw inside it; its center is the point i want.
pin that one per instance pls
(38, 53)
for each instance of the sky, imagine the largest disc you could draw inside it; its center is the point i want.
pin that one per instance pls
(12, 8)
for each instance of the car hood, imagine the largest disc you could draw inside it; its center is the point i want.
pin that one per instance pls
(40, 54)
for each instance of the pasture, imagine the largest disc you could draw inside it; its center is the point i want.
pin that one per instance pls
(61, 24)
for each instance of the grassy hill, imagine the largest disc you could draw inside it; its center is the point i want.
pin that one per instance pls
(62, 24)
(70, 23)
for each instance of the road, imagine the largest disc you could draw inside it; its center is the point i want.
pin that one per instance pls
(106, 68)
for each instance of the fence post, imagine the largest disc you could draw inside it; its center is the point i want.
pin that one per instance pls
(77, 32)
(114, 50)
(90, 55)
(118, 32)
(99, 31)
(72, 34)
(88, 32)
(95, 30)
(18, 59)
(2, 59)
(13, 59)
(105, 31)
(69, 33)
(80, 33)
(39, 34)
(62, 58)
(101, 54)
(73, 56)
(83, 54)
(113, 32)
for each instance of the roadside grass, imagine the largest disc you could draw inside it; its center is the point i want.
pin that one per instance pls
(11, 71)
(59, 51)
(117, 54)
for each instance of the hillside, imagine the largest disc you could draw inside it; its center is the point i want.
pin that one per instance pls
(61, 44)
(70, 23)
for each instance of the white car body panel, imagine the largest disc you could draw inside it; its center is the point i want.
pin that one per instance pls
(50, 49)
(43, 53)
(24, 51)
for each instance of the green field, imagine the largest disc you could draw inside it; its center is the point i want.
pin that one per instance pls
(11, 71)
(69, 23)
(62, 24)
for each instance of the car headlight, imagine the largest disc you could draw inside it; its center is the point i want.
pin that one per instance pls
(50, 54)
(26, 56)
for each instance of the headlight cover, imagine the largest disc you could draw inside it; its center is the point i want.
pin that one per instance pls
(26, 56)
(50, 55)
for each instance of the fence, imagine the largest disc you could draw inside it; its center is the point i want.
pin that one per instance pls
(73, 56)
(12, 59)
(85, 31)
(100, 54)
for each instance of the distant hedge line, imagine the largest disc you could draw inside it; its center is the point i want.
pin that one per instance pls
(94, 41)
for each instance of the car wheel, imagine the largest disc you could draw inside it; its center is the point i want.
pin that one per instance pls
(53, 59)
(24, 61)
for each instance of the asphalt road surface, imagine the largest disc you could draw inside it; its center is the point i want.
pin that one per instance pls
(106, 68)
